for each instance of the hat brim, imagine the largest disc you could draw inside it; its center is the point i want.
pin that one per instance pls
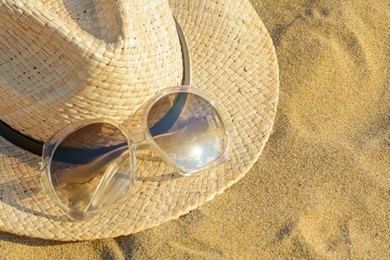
(234, 63)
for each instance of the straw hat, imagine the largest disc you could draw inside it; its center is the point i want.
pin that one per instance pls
(63, 61)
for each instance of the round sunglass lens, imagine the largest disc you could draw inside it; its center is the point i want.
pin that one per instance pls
(90, 169)
(188, 129)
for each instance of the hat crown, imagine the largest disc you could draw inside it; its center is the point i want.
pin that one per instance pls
(63, 61)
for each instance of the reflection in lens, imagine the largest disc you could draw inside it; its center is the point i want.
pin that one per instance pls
(188, 129)
(91, 168)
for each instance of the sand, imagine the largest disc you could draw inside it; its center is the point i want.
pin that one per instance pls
(321, 188)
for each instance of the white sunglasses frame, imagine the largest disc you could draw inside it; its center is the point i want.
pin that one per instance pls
(138, 137)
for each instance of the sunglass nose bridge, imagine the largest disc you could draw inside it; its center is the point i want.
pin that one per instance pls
(137, 135)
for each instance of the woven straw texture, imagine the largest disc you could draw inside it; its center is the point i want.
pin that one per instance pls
(62, 61)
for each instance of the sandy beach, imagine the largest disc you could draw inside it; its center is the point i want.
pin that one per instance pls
(321, 188)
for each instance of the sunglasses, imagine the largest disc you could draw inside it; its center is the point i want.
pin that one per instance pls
(89, 166)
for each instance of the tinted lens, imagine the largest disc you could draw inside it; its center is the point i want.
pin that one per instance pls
(91, 168)
(188, 129)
